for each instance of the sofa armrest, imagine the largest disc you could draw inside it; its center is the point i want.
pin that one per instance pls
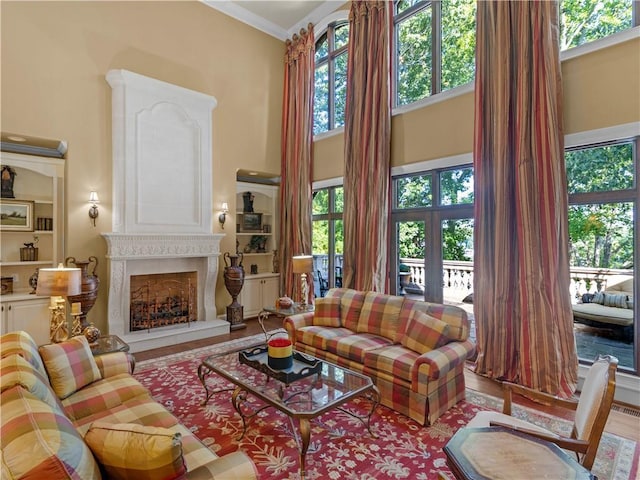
(299, 320)
(437, 363)
(115, 363)
(234, 466)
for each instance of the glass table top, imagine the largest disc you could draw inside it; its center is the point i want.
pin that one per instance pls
(309, 396)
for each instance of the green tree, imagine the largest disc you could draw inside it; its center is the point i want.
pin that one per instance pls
(583, 21)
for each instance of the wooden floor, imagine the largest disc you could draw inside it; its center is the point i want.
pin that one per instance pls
(623, 424)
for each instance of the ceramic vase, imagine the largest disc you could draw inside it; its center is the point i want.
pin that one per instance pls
(233, 281)
(89, 286)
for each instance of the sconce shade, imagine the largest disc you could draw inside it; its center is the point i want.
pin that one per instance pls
(59, 282)
(225, 207)
(93, 197)
(302, 263)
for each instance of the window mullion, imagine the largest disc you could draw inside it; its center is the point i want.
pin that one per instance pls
(436, 47)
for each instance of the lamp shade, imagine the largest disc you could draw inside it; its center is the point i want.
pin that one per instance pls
(59, 282)
(302, 263)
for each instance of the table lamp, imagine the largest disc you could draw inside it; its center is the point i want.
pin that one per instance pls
(303, 264)
(58, 283)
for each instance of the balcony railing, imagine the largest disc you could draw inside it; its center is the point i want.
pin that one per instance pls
(457, 276)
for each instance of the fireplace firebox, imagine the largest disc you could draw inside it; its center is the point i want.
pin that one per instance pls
(163, 300)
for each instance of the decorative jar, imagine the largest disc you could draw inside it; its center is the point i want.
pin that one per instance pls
(280, 353)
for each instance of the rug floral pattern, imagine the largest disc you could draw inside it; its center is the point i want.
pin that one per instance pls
(341, 447)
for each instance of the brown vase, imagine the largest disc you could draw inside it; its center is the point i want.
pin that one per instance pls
(234, 280)
(89, 287)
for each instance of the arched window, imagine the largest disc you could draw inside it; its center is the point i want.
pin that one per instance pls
(331, 77)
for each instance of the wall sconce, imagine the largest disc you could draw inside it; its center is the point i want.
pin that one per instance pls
(93, 210)
(223, 216)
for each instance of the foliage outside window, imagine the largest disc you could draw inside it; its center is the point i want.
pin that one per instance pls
(330, 78)
(435, 40)
(328, 233)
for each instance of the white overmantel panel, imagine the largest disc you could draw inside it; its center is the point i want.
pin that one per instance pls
(162, 156)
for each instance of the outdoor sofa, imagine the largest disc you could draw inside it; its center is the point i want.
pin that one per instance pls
(68, 415)
(611, 309)
(414, 351)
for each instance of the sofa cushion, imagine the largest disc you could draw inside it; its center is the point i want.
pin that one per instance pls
(317, 336)
(395, 360)
(600, 313)
(615, 300)
(15, 370)
(380, 315)
(327, 312)
(38, 442)
(22, 343)
(70, 365)
(456, 317)
(140, 410)
(598, 297)
(136, 452)
(350, 305)
(425, 333)
(356, 345)
(103, 395)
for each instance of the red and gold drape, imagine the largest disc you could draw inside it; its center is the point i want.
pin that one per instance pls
(297, 156)
(367, 146)
(521, 285)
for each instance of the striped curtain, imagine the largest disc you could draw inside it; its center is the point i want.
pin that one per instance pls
(297, 157)
(367, 146)
(521, 286)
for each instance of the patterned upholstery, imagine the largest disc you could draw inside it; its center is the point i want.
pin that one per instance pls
(380, 315)
(117, 447)
(425, 333)
(327, 312)
(42, 437)
(70, 365)
(38, 441)
(419, 382)
(351, 302)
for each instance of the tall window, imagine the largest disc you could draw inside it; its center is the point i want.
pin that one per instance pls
(435, 40)
(330, 78)
(328, 238)
(434, 45)
(603, 195)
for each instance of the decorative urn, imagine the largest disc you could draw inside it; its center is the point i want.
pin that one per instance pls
(89, 287)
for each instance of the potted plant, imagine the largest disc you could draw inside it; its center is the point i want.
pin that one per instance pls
(404, 276)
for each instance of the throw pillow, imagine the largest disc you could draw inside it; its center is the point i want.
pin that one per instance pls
(425, 333)
(598, 297)
(70, 365)
(615, 300)
(327, 312)
(136, 452)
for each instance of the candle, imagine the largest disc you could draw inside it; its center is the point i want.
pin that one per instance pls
(75, 308)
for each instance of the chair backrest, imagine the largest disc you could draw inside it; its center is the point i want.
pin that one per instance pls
(594, 404)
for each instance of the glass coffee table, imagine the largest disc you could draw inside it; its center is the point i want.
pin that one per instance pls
(300, 399)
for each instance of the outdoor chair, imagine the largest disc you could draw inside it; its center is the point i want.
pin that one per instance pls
(323, 284)
(591, 411)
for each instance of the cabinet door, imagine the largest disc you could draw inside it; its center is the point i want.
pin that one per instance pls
(31, 316)
(251, 296)
(270, 291)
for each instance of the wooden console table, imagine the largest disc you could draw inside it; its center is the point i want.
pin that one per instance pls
(498, 453)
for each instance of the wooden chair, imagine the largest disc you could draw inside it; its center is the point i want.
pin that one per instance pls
(591, 411)
(323, 284)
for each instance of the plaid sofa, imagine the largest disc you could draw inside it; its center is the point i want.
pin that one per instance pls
(43, 435)
(378, 335)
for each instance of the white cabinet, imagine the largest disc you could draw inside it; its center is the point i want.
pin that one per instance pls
(28, 313)
(259, 291)
(38, 190)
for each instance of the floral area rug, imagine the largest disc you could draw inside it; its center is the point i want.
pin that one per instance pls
(341, 447)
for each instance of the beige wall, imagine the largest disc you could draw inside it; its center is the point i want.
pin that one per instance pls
(600, 90)
(54, 59)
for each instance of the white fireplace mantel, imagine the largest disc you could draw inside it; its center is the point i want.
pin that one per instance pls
(162, 201)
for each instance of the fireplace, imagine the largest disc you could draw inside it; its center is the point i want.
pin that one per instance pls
(163, 256)
(162, 300)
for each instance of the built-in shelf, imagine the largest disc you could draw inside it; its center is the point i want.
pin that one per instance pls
(26, 264)
(265, 254)
(254, 233)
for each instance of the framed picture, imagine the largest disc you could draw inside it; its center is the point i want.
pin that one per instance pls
(16, 216)
(252, 221)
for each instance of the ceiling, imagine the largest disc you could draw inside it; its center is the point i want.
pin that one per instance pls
(279, 18)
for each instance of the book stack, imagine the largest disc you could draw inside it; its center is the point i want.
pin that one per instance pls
(44, 223)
